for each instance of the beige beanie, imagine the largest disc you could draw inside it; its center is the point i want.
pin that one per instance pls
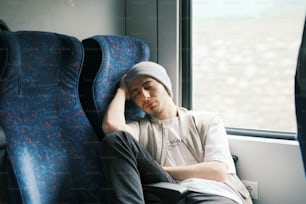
(151, 69)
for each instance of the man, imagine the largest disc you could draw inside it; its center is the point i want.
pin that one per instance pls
(170, 144)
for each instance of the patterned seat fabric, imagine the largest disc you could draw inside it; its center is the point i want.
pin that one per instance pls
(52, 148)
(107, 58)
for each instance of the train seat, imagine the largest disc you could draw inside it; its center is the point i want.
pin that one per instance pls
(52, 153)
(107, 58)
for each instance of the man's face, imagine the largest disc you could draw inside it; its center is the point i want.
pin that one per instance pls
(148, 94)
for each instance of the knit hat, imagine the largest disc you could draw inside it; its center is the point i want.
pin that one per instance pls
(151, 69)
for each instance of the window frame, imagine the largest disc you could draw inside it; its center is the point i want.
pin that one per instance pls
(186, 53)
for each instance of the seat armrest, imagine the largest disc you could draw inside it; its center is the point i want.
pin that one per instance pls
(235, 158)
(164, 192)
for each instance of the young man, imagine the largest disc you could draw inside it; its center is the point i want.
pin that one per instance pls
(170, 144)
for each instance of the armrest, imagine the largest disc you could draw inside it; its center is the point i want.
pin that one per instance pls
(235, 158)
(164, 192)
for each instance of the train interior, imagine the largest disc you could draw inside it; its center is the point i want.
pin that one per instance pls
(272, 167)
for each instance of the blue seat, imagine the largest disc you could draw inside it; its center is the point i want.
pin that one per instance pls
(107, 58)
(300, 97)
(52, 154)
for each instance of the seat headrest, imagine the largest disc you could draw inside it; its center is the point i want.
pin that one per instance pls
(22, 51)
(110, 56)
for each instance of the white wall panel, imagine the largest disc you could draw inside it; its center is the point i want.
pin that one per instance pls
(275, 164)
(80, 18)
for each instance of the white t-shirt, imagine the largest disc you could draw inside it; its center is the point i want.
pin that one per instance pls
(179, 155)
(216, 149)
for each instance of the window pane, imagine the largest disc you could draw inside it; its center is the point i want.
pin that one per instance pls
(244, 60)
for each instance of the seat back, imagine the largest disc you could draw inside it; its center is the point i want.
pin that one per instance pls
(300, 97)
(3, 26)
(107, 58)
(52, 152)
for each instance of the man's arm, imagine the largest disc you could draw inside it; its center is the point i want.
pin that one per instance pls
(114, 119)
(217, 157)
(213, 170)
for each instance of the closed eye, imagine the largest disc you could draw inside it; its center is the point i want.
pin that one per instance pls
(148, 85)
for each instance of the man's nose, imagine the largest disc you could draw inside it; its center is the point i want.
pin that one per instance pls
(144, 94)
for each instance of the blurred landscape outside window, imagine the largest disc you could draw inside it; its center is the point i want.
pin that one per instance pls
(244, 55)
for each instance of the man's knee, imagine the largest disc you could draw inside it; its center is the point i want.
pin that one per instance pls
(111, 138)
(116, 139)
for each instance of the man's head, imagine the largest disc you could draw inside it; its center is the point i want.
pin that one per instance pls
(150, 89)
(150, 69)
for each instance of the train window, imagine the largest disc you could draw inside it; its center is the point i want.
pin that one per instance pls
(244, 56)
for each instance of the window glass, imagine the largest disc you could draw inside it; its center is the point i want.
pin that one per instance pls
(244, 55)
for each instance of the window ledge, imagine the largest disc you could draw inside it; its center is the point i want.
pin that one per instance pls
(261, 133)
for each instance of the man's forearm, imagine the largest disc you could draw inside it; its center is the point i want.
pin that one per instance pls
(213, 170)
(114, 117)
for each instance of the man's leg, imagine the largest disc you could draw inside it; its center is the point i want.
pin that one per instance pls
(128, 165)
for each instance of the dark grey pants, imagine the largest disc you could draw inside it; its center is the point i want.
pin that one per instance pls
(128, 165)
